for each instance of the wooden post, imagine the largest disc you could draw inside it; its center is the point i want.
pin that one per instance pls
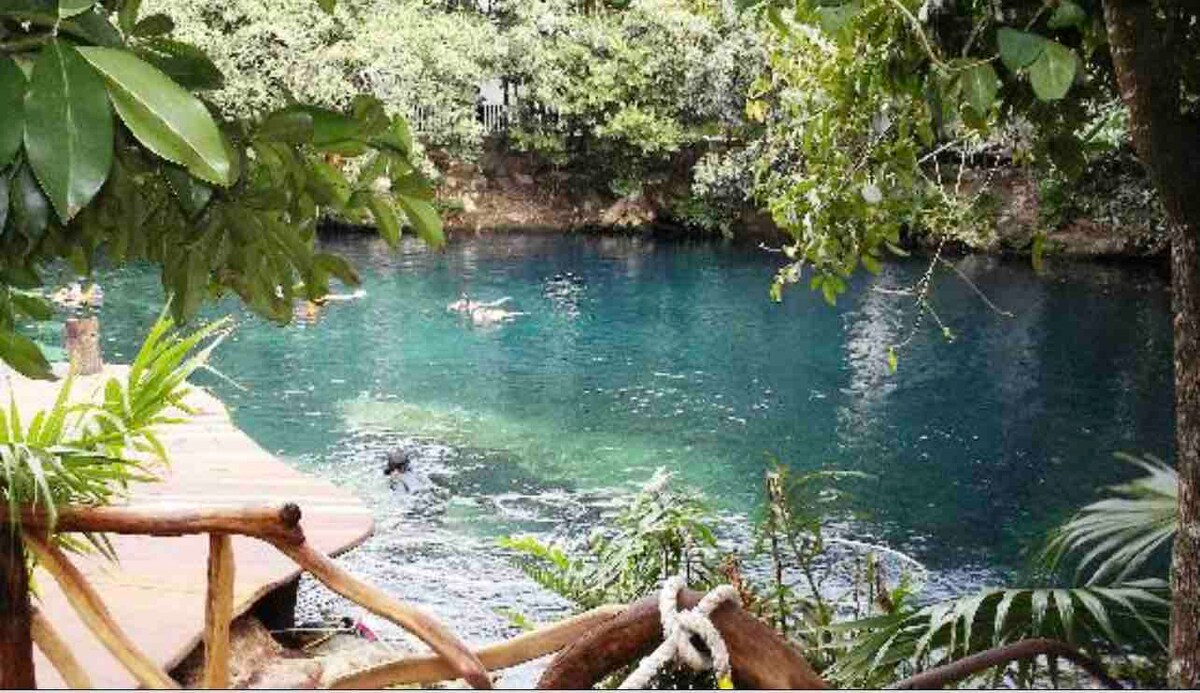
(16, 639)
(218, 611)
(83, 345)
(58, 652)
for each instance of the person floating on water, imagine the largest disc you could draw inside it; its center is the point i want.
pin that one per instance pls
(311, 308)
(74, 295)
(483, 312)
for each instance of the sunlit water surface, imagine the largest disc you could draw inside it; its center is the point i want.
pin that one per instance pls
(636, 354)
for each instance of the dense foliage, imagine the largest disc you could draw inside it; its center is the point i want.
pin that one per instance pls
(107, 150)
(418, 60)
(858, 618)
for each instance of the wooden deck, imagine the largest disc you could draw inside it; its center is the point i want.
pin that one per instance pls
(156, 592)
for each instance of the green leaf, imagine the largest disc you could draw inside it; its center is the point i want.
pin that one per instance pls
(32, 306)
(327, 5)
(834, 17)
(68, 128)
(30, 210)
(1018, 48)
(154, 25)
(182, 62)
(12, 110)
(333, 131)
(980, 85)
(193, 195)
(289, 125)
(385, 218)
(424, 218)
(24, 356)
(70, 8)
(128, 14)
(1067, 14)
(1053, 71)
(164, 117)
(93, 27)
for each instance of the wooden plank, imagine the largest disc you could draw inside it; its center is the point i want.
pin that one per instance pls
(158, 590)
(218, 611)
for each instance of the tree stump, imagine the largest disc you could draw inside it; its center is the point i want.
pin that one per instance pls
(83, 345)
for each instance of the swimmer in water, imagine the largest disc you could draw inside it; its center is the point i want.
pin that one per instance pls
(493, 316)
(465, 305)
(311, 309)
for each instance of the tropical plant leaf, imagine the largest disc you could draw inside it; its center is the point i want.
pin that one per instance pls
(189, 66)
(1018, 49)
(1052, 73)
(980, 85)
(68, 128)
(164, 117)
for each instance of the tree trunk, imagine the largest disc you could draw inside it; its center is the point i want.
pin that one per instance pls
(1147, 54)
(16, 640)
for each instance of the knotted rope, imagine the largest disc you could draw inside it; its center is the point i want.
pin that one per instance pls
(678, 629)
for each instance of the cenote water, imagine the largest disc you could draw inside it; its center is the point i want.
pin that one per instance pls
(634, 355)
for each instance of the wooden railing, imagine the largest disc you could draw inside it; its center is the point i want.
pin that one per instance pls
(23, 625)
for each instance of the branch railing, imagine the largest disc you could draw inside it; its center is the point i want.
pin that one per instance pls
(279, 527)
(590, 645)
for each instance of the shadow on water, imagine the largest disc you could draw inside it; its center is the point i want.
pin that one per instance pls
(636, 354)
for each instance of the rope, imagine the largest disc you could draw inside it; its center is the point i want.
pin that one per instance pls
(678, 629)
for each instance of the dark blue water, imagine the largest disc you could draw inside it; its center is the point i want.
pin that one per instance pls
(666, 354)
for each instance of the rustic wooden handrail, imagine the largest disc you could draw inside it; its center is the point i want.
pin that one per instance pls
(271, 523)
(278, 526)
(92, 611)
(523, 648)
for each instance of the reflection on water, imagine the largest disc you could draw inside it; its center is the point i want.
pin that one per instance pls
(637, 354)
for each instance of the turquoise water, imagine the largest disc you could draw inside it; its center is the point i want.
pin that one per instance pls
(657, 354)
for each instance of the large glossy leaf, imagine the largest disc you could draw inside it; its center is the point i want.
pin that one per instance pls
(1018, 48)
(12, 109)
(289, 125)
(68, 128)
(28, 207)
(93, 27)
(333, 131)
(182, 62)
(385, 219)
(1053, 72)
(22, 354)
(424, 219)
(980, 84)
(164, 117)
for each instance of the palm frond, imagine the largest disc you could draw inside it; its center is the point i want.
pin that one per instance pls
(876, 650)
(1116, 536)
